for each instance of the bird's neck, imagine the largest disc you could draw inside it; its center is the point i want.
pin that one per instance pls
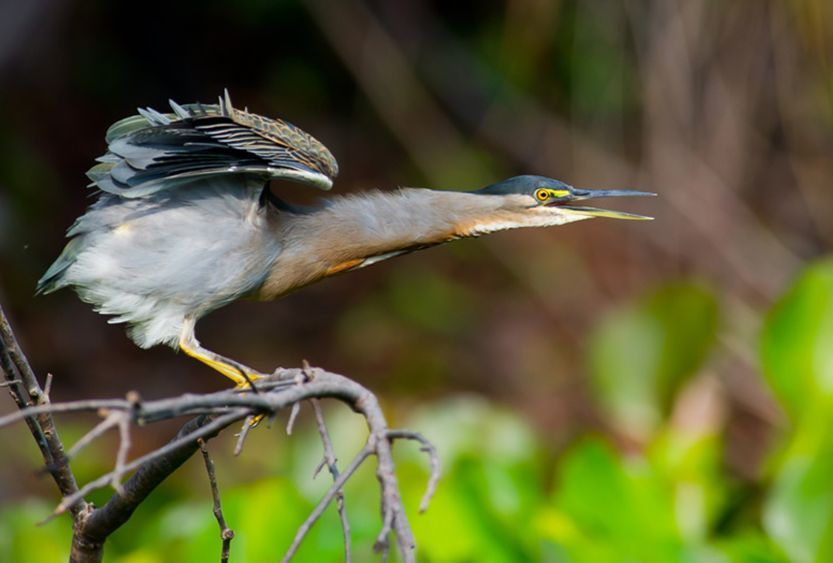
(357, 230)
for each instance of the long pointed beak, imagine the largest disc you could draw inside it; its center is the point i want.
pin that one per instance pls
(582, 194)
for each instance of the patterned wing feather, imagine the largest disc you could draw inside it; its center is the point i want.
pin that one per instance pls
(154, 151)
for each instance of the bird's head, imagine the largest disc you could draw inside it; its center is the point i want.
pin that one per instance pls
(537, 201)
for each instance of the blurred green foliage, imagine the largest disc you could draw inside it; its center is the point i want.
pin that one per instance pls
(502, 498)
(798, 364)
(642, 353)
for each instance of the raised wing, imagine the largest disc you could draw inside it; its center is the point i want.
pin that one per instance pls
(154, 151)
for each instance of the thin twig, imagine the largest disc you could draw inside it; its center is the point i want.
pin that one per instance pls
(301, 377)
(244, 431)
(382, 544)
(293, 414)
(433, 459)
(226, 533)
(331, 462)
(304, 529)
(121, 454)
(47, 386)
(219, 423)
(57, 408)
(110, 420)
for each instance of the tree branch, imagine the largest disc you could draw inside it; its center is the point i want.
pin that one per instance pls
(213, 412)
(25, 390)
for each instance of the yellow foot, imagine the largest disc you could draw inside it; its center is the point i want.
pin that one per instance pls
(256, 420)
(244, 377)
(243, 384)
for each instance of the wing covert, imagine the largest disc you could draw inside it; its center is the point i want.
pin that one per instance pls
(153, 151)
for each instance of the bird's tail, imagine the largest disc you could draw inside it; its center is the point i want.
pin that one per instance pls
(54, 278)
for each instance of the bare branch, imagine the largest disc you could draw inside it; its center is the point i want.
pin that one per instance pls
(218, 410)
(286, 388)
(16, 368)
(226, 533)
(304, 529)
(58, 408)
(11, 349)
(331, 462)
(105, 520)
(433, 459)
(208, 429)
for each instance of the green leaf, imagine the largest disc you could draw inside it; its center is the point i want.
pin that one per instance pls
(621, 506)
(799, 510)
(797, 341)
(797, 357)
(750, 547)
(640, 354)
(489, 483)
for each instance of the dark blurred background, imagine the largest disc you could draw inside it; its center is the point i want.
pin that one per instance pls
(725, 109)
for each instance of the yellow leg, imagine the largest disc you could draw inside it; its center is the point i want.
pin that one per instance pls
(240, 374)
(232, 372)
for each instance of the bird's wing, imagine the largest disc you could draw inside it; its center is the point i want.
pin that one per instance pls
(154, 151)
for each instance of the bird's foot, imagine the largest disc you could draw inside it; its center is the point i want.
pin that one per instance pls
(246, 382)
(256, 420)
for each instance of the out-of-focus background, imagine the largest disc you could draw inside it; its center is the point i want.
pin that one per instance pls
(606, 391)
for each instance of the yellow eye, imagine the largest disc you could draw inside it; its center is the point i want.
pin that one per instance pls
(542, 194)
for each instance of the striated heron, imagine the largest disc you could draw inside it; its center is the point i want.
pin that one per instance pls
(185, 221)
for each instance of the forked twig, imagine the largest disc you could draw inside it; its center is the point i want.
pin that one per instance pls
(226, 533)
(329, 459)
(433, 460)
(304, 529)
(212, 427)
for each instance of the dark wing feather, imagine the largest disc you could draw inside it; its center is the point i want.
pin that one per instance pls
(154, 151)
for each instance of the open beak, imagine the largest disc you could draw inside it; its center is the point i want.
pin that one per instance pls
(582, 194)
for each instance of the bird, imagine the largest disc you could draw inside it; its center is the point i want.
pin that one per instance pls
(185, 221)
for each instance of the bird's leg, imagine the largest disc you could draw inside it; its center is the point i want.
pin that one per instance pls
(242, 376)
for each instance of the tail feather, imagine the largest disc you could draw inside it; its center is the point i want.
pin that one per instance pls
(54, 278)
